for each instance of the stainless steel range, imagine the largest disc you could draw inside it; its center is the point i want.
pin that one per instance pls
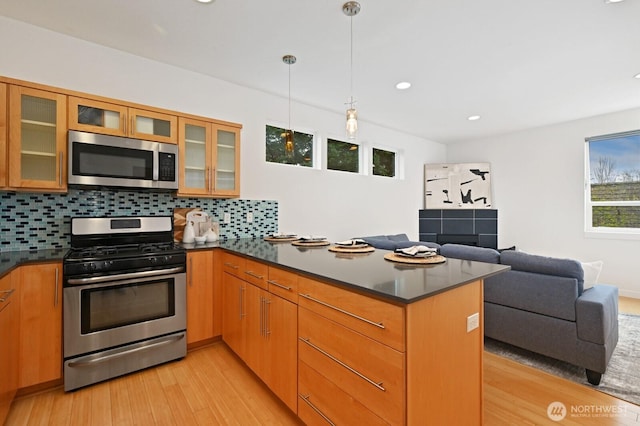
(124, 298)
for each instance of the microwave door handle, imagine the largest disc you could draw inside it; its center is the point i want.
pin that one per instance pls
(156, 162)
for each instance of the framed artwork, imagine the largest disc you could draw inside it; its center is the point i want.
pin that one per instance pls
(457, 186)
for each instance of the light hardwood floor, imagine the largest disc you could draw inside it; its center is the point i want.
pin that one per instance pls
(212, 387)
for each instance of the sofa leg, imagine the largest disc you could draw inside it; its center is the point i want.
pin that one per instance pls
(593, 377)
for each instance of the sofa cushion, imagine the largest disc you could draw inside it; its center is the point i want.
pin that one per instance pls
(552, 296)
(479, 254)
(521, 261)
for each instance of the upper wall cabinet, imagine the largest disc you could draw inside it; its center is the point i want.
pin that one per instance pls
(209, 159)
(37, 139)
(3, 135)
(121, 120)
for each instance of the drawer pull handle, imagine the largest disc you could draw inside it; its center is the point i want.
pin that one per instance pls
(377, 324)
(254, 275)
(7, 294)
(354, 371)
(305, 398)
(231, 265)
(277, 284)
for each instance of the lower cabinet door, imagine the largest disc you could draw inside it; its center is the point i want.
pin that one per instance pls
(322, 402)
(282, 334)
(199, 296)
(233, 313)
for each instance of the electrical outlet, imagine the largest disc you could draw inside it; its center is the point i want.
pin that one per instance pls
(227, 218)
(473, 322)
(249, 217)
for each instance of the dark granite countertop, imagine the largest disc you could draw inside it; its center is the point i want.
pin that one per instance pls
(11, 259)
(369, 273)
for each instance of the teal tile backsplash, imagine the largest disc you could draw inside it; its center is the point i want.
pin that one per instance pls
(30, 221)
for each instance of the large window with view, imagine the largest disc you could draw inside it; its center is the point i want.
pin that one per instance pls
(613, 193)
(384, 163)
(343, 156)
(300, 154)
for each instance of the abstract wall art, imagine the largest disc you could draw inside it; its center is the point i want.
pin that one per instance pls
(457, 186)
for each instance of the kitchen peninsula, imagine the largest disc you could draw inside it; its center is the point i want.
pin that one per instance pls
(376, 340)
(348, 338)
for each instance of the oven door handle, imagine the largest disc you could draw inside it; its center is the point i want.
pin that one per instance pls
(142, 347)
(115, 277)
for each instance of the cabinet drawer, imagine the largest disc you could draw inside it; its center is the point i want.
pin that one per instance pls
(379, 320)
(367, 370)
(320, 401)
(256, 273)
(284, 284)
(235, 265)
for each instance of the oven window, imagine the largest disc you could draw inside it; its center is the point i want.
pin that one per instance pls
(111, 161)
(120, 305)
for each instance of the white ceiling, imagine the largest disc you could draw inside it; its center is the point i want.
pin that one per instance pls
(517, 63)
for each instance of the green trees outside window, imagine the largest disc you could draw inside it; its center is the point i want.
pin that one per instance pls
(343, 156)
(302, 154)
(384, 163)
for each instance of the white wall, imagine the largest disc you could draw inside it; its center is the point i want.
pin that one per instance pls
(538, 189)
(335, 204)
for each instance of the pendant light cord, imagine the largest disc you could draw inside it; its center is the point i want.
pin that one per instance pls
(351, 63)
(289, 97)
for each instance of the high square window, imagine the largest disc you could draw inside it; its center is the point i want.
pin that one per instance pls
(343, 156)
(300, 155)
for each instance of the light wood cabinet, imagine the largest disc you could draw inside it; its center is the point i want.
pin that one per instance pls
(234, 313)
(40, 350)
(271, 334)
(353, 366)
(260, 327)
(200, 296)
(283, 283)
(9, 311)
(3, 135)
(280, 336)
(37, 139)
(377, 319)
(209, 159)
(121, 120)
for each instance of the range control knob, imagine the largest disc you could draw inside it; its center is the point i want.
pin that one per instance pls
(153, 260)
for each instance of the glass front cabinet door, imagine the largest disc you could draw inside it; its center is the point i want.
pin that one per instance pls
(226, 173)
(37, 139)
(209, 159)
(120, 120)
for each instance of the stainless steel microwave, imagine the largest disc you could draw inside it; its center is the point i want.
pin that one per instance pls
(103, 160)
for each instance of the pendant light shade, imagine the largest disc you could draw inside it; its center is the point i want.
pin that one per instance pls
(352, 123)
(288, 134)
(351, 9)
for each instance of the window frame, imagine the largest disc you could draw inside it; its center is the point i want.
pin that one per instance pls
(604, 231)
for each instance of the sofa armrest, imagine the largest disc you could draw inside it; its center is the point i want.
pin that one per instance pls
(597, 313)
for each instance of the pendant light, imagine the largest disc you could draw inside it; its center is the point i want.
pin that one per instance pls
(288, 134)
(351, 8)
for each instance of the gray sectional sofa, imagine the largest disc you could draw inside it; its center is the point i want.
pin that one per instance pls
(541, 305)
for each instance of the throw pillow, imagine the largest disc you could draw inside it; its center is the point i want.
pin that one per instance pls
(591, 273)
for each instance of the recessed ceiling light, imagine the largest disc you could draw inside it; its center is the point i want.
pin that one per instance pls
(473, 117)
(637, 76)
(403, 85)
(205, 1)
(613, 1)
